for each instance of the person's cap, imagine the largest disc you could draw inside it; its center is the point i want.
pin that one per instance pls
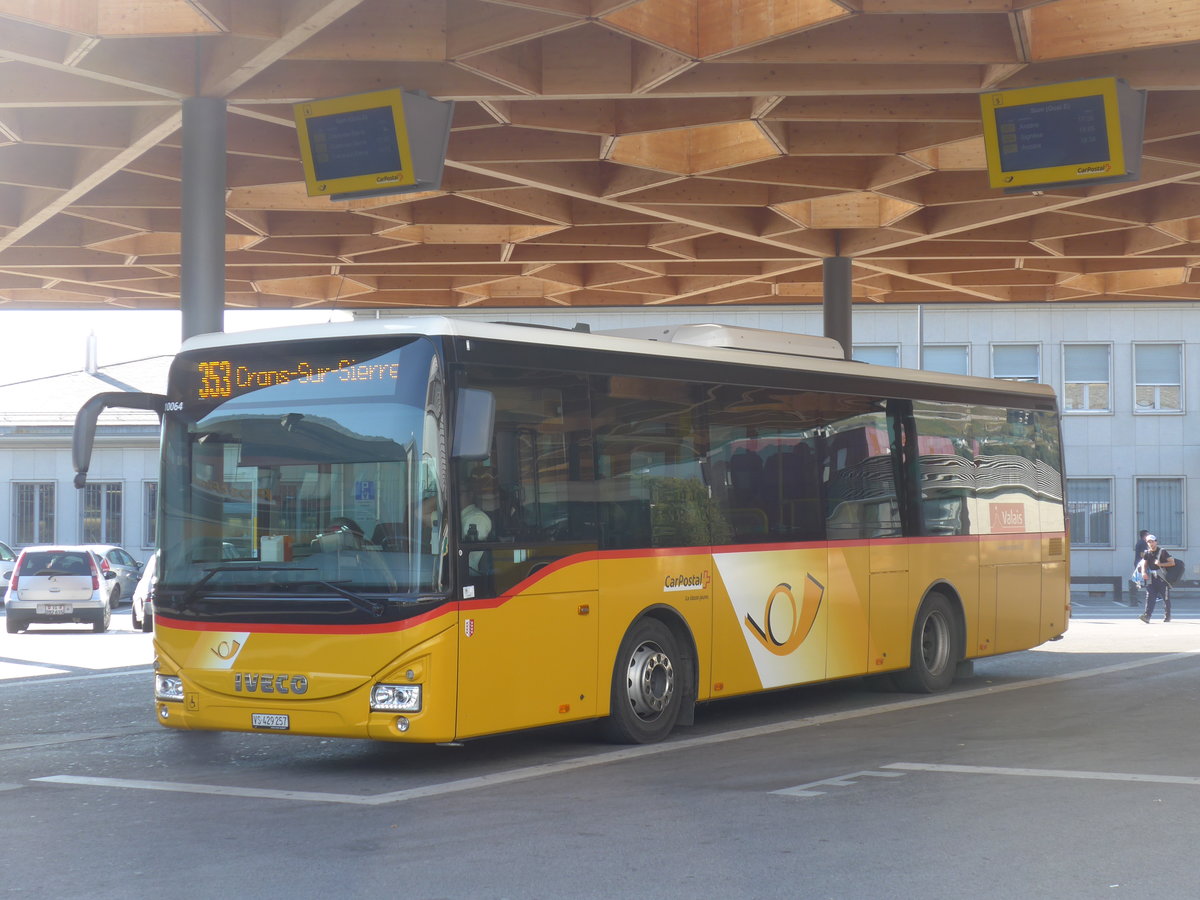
(1151, 537)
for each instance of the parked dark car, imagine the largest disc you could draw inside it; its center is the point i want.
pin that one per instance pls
(142, 603)
(8, 559)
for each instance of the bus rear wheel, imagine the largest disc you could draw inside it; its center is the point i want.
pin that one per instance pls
(935, 650)
(647, 685)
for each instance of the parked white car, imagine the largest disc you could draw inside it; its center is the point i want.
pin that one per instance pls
(59, 584)
(143, 596)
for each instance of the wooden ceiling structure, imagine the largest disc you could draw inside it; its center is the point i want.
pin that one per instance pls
(604, 153)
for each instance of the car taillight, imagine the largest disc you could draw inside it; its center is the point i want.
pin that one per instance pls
(12, 582)
(95, 577)
(104, 566)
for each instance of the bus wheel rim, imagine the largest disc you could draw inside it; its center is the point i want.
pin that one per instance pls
(935, 643)
(650, 682)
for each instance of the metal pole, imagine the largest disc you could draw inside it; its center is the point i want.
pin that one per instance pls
(838, 295)
(202, 268)
(920, 336)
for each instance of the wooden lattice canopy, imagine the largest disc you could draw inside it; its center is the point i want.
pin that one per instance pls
(603, 152)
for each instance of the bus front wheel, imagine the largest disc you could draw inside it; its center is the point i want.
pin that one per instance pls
(647, 685)
(935, 650)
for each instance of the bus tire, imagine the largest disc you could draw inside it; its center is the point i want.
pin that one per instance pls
(935, 648)
(648, 685)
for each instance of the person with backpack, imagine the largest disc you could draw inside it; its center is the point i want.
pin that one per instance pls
(1153, 565)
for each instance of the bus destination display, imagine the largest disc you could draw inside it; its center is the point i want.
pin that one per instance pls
(223, 379)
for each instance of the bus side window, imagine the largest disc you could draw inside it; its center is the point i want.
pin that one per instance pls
(763, 463)
(650, 479)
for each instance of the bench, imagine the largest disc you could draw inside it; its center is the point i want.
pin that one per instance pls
(1114, 581)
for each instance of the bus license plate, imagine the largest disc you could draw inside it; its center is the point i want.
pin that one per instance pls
(55, 609)
(273, 722)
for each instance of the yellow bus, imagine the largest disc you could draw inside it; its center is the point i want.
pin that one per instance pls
(431, 529)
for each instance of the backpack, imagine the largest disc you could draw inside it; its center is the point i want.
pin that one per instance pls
(1174, 574)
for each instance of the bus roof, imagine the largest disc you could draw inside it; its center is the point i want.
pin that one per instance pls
(720, 343)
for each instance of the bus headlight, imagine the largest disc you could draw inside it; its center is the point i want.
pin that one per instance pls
(396, 698)
(168, 687)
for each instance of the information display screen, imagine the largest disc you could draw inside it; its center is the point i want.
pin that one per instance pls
(354, 144)
(348, 144)
(1060, 133)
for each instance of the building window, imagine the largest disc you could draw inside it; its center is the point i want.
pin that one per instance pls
(953, 359)
(1157, 377)
(1160, 509)
(878, 355)
(33, 513)
(1089, 506)
(1087, 378)
(102, 503)
(149, 514)
(1017, 362)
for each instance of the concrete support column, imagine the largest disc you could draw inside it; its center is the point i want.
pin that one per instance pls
(202, 272)
(838, 293)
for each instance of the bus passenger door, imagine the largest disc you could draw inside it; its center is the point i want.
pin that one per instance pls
(527, 655)
(527, 556)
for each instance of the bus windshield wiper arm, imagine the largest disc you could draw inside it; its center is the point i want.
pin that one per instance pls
(191, 592)
(375, 607)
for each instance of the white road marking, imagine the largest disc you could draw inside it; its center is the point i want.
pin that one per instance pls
(1046, 773)
(806, 790)
(599, 759)
(19, 669)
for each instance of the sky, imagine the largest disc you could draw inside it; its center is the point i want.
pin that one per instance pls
(36, 344)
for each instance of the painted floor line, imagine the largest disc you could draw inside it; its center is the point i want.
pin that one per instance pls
(539, 771)
(1046, 773)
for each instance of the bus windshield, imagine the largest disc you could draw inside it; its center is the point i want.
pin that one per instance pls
(311, 469)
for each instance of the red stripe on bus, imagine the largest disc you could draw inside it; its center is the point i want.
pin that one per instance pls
(485, 603)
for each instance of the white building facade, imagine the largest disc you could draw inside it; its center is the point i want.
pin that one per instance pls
(39, 503)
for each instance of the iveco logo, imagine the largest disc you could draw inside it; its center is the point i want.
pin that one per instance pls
(268, 683)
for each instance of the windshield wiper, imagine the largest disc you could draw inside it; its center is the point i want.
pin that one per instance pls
(367, 604)
(194, 590)
(375, 607)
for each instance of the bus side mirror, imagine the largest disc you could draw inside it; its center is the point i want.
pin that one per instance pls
(84, 434)
(474, 417)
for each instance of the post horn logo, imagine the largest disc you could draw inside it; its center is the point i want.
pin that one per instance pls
(780, 632)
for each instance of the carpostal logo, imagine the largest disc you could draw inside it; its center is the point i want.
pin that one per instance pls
(1097, 169)
(785, 623)
(698, 582)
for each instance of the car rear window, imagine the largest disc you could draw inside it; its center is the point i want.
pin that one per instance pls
(55, 562)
